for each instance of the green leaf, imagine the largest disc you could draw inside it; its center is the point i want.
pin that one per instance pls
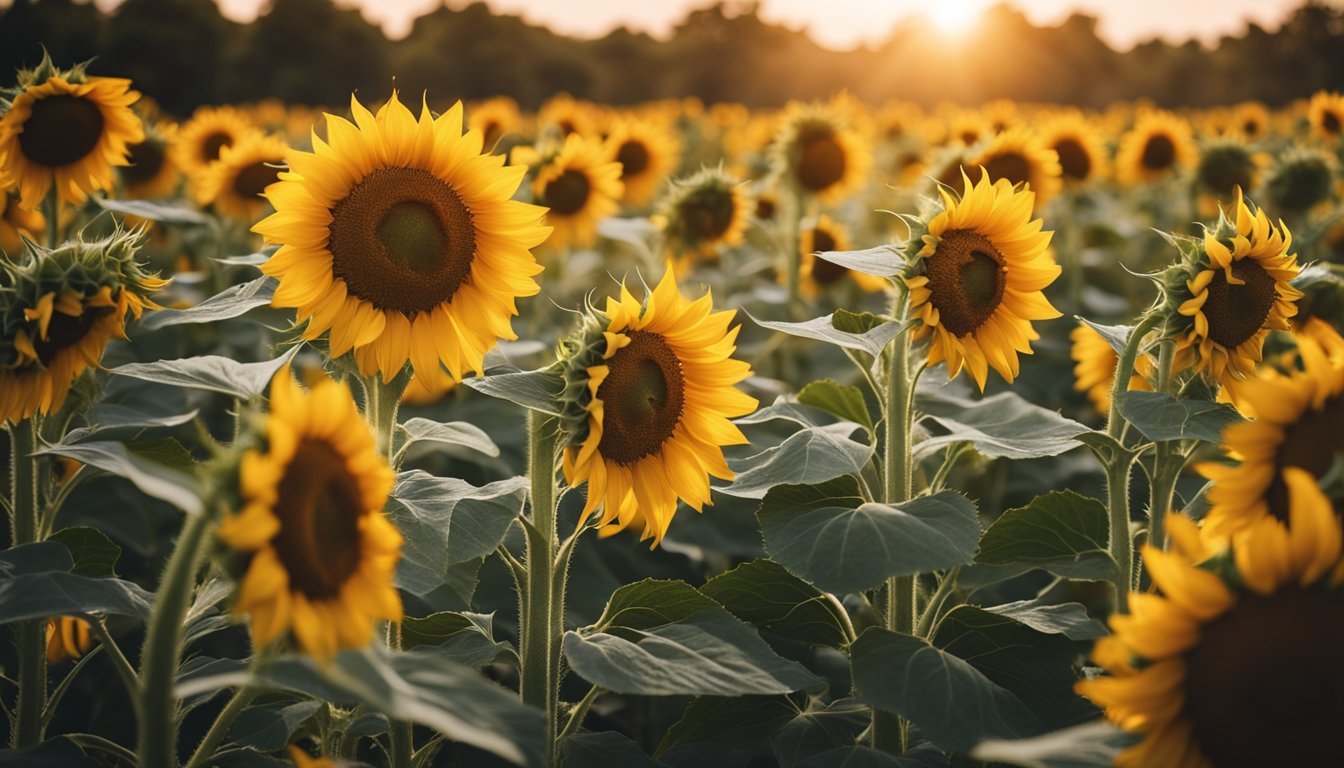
(737, 721)
(164, 213)
(820, 729)
(467, 638)
(210, 373)
(234, 301)
(539, 390)
(152, 477)
(446, 520)
(882, 261)
(270, 729)
(811, 455)
(999, 426)
(1161, 417)
(951, 701)
(604, 749)
(94, 554)
(37, 584)
(1067, 619)
(1063, 532)
(843, 329)
(107, 420)
(455, 435)
(827, 535)
(58, 752)
(1091, 745)
(763, 593)
(1117, 336)
(839, 400)
(667, 639)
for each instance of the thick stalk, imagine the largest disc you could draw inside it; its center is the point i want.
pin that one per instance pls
(30, 635)
(163, 647)
(51, 215)
(542, 614)
(1167, 463)
(791, 209)
(381, 401)
(206, 749)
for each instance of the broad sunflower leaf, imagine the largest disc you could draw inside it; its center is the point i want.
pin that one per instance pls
(604, 749)
(453, 434)
(148, 469)
(36, 583)
(663, 638)
(811, 455)
(820, 729)
(234, 301)
(211, 373)
(1160, 417)
(999, 426)
(164, 213)
(94, 554)
(829, 536)
(762, 592)
(447, 520)
(1068, 619)
(539, 390)
(1091, 745)
(843, 333)
(467, 638)
(882, 261)
(107, 420)
(738, 721)
(272, 728)
(839, 400)
(1062, 532)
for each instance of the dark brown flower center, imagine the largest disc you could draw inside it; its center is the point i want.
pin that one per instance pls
(706, 214)
(1236, 312)
(1313, 442)
(1251, 128)
(319, 507)
(253, 179)
(1222, 170)
(825, 272)
(1074, 161)
(402, 240)
(146, 160)
(765, 209)
(1008, 165)
(1331, 123)
(568, 193)
(966, 280)
(1159, 152)
(821, 161)
(213, 144)
(492, 132)
(642, 398)
(1265, 686)
(61, 130)
(66, 331)
(633, 157)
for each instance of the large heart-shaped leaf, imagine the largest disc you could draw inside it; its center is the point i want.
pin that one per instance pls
(1061, 531)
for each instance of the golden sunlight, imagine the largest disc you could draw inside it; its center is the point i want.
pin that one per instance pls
(956, 17)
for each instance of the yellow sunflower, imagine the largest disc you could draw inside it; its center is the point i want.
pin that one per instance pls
(403, 241)
(1298, 424)
(234, 184)
(68, 129)
(1017, 156)
(419, 393)
(967, 127)
(321, 554)
(976, 283)
(647, 152)
(1079, 147)
(818, 153)
(657, 384)
(1156, 147)
(1236, 662)
(819, 275)
(1094, 372)
(17, 223)
(68, 638)
(567, 115)
(151, 173)
(1235, 295)
(201, 139)
(703, 213)
(1326, 115)
(304, 760)
(580, 185)
(1250, 120)
(494, 119)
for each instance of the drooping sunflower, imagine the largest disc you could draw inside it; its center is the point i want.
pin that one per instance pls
(819, 275)
(234, 184)
(151, 172)
(975, 283)
(1159, 143)
(1094, 372)
(1325, 112)
(1235, 663)
(65, 128)
(205, 135)
(1020, 158)
(650, 398)
(1297, 424)
(1232, 292)
(68, 638)
(580, 185)
(647, 152)
(494, 118)
(817, 152)
(1079, 147)
(704, 212)
(59, 310)
(320, 553)
(403, 241)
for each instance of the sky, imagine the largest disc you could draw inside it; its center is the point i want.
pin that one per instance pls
(844, 24)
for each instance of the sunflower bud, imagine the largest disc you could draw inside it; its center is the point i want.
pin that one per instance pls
(703, 212)
(1301, 180)
(1225, 165)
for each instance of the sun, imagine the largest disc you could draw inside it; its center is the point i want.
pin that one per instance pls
(955, 17)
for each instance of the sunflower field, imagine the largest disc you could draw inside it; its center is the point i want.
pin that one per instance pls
(406, 432)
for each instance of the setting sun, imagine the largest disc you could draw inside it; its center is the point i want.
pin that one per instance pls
(955, 17)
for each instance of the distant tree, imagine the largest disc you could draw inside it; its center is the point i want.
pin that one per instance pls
(70, 31)
(171, 49)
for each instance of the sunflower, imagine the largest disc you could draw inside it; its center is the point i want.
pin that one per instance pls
(569, 116)
(304, 760)
(1326, 115)
(201, 139)
(818, 153)
(647, 152)
(819, 275)
(494, 119)
(321, 554)
(1300, 180)
(68, 638)
(1225, 165)
(580, 185)
(967, 128)
(151, 173)
(704, 212)
(1017, 156)
(1297, 424)
(234, 184)
(975, 284)
(1094, 372)
(1250, 120)
(655, 393)
(1234, 293)
(400, 238)
(1235, 663)
(68, 129)
(17, 223)
(1159, 143)
(1078, 145)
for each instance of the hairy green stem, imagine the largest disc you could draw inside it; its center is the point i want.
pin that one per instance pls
(381, 400)
(1167, 463)
(791, 209)
(26, 503)
(237, 703)
(579, 712)
(51, 215)
(542, 604)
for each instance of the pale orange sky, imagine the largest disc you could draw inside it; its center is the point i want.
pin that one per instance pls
(846, 23)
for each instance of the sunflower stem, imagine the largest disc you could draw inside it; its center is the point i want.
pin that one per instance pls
(542, 605)
(157, 739)
(30, 636)
(382, 398)
(1167, 463)
(51, 215)
(237, 703)
(791, 209)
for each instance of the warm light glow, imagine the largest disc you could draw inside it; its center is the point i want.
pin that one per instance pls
(956, 17)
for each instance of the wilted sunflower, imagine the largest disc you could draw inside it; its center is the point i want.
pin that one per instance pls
(703, 212)
(580, 185)
(151, 172)
(400, 238)
(818, 153)
(1236, 662)
(66, 128)
(819, 275)
(975, 284)
(1159, 143)
(494, 119)
(59, 310)
(1326, 115)
(201, 139)
(1094, 372)
(68, 638)
(1018, 157)
(321, 554)
(234, 184)
(1233, 293)
(651, 393)
(1078, 145)
(647, 152)
(1298, 423)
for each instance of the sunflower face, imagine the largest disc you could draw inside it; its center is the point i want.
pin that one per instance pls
(1018, 157)
(235, 183)
(1224, 167)
(68, 638)
(321, 555)
(818, 154)
(976, 283)
(1301, 180)
(1326, 115)
(819, 275)
(67, 129)
(401, 240)
(581, 186)
(647, 153)
(1159, 144)
(202, 139)
(703, 212)
(655, 395)
(151, 173)
(1235, 670)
